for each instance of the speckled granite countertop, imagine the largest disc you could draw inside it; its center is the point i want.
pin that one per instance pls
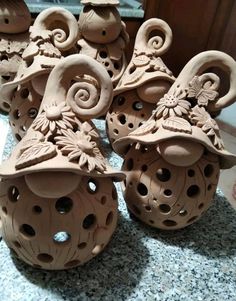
(140, 263)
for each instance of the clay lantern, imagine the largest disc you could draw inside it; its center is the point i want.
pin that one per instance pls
(145, 81)
(55, 31)
(103, 36)
(173, 160)
(15, 21)
(58, 201)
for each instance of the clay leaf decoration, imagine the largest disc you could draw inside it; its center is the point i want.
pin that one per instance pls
(36, 34)
(35, 154)
(172, 105)
(201, 92)
(147, 128)
(201, 118)
(157, 64)
(177, 124)
(37, 138)
(53, 118)
(141, 60)
(90, 130)
(80, 149)
(31, 51)
(48, 49)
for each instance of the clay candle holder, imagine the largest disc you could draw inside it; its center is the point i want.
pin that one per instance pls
(15, 21)
(174, 159)
(58, 203)
(103, 36)
(55, 31)
(144, 82)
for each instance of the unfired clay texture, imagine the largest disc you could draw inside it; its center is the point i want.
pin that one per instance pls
(173, 160)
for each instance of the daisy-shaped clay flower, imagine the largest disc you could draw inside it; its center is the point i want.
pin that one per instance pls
(80, 148)
(201, 118)
(202, 92)
(172, 105)
(54, 117)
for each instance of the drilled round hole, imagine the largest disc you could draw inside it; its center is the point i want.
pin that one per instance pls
(103, 54)
(44, 257)
(103, 200)
(110, 73)
(191, 173)
(13, 194)
(6, 20)
(183, 212)
(142, 189)
(32, 112)
(137, 106)
(27, 230)
(92, 186)
(130, 125)
(4, 210)
(107, 64)
(144, 168)
(136, 209)
(109, 219)
(121, 100)
(6, 105)
(72, 263)
(163, 174)
(115, 131)
(122, 119)
(23, 128)
(151, 221)
(144, 149)
(89, 221)
(104, 32)
(16, 114)
(17, 244)
(169, 223)
(193, 191)
(97, 249)
(201, 206)
(116, 66)
(24, 93)
(164, 208)
(167, 192)
(37, 209)
(18, 137)
(130, 164)
(192, 219)
(209, 187)
(61, 237)
(64, 205)
(82, 245)
(148, 208)
(209, 170)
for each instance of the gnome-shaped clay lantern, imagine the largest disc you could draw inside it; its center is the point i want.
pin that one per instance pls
(55, 31)
(144, 82)
(58, 203)
(103, 35)
(174, 160)
(15, 21)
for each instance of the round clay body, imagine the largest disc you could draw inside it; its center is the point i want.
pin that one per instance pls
(58, 233)
(126, 114)
(100, 25)
(165, 196)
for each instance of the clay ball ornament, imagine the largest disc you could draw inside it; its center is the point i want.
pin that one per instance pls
(103, 36)
(144, 82)
(54, 32)
(58, 204)
(173, 160)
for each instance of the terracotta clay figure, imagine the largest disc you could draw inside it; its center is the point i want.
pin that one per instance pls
(144, 82)
(15, 21)
(58, 203)
(173, 160)
(55, 31)
(103, 35)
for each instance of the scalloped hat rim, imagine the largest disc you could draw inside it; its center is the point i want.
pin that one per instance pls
(227, 159)
(143, 80)
(98, 2)
(28, 73)
(58, 165)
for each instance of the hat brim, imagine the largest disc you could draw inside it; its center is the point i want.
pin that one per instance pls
(227, 159)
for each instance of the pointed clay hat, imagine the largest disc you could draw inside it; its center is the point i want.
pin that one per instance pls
(60, 138)
(44, 49)
(101, 2)
(184, 113)
(146, 64)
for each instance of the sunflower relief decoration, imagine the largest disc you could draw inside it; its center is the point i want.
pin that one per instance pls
(173, 160)
(59, 175)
